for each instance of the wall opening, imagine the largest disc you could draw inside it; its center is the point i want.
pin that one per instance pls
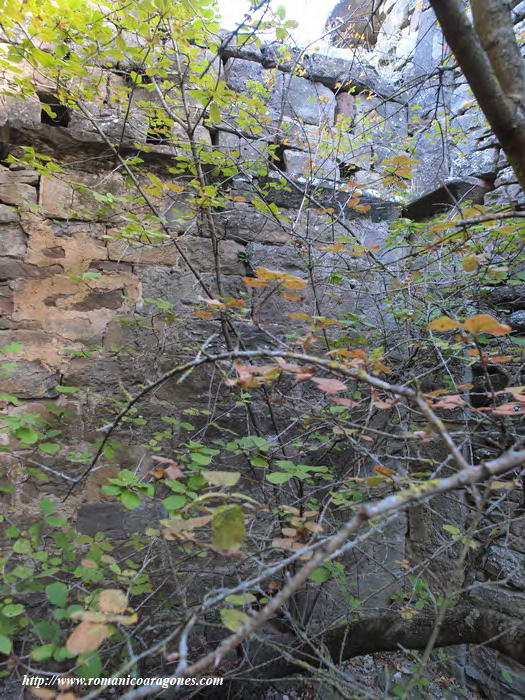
(277, 158)
(53, 112)
(347, 171)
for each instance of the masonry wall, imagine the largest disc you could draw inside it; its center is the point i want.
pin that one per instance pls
(100, 333)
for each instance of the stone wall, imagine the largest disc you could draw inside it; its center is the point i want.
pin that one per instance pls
(332, 122)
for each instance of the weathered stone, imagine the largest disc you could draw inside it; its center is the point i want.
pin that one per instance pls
(440, 199)
(199, 252)
(481, 163)
(30, 380)
(517, 321)
(101, 300)
(244, 223)
(302, 99)
(14, 177)
(8, 215)
(510, 297)
(13, 192)
(12, 240)
(15, 269)
(505, 564)
(72, 199)
(345, 106)
(239, 72)
(115, 521)
(121, 250)
(299, 164)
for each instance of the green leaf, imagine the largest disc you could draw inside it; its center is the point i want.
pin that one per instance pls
(130, 500)
(278, 477)
(28, 436)
(57, 594)
(9, 398)
(452, 529)
(506, 676)
(22, 546)
(49, 631)
(233, 619)
(320, 575)
(215, 112)
(241, 599)
(258, 462)
(228, 528)
(90, 666)
(13, 610)
(43, 652)
(174, 502)
(47, 506)
(199, 458)
(5, 644)
(66, 389)
(49, 448)
(12, 347)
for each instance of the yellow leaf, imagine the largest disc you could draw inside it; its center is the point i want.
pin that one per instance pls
(113, 600)
(292, 282)
(443, 323)
(88, 636)
(221, 478)
(470, 263)
(233, 619)
(264, 274)
(228, 528)
(483, 323)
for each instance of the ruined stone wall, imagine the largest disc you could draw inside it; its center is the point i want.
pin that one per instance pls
(100, 333)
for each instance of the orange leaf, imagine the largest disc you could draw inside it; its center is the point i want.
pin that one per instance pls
(501, 358)
(443, 323)
(292, 296)
(385, 471)
(88, 636)
(253, 282)
(203, 314)
(329, 386)
(450, 402)
(343, 402)
(509, 409)
(483, 323)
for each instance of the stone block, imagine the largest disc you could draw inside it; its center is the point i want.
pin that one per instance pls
(16, 191)
(115, 521)
(442, 198)
(302, 99)
(517, 321)
(24, 113)
(74, 199)
(239, 72)
(8, 214)
(345, 106)
(121, 250)
(243, 222)
(12, 269)
(299, 164)
(508, 297)
(30, 380)
(476, 162)
(12, 240)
